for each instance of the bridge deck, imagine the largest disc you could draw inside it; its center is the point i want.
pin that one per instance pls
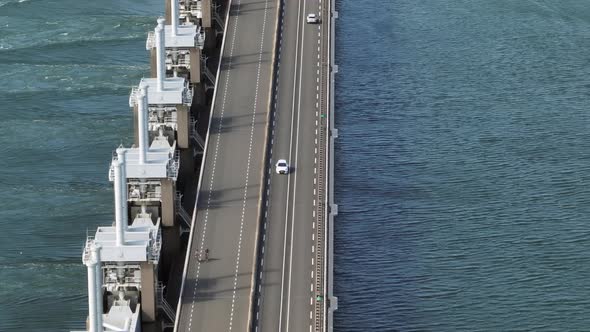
(216, 293)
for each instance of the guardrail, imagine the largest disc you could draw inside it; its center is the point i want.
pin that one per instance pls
(326, 303)
(162, 304)
(322, 207)
(331, 300)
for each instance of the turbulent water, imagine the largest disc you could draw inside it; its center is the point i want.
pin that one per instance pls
(462, 164)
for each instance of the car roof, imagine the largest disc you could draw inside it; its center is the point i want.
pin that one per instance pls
(281, 161)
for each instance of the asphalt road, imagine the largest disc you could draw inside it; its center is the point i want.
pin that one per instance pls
(216, 293)
(287, 295)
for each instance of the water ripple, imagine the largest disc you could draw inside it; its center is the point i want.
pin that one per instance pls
(462, 166)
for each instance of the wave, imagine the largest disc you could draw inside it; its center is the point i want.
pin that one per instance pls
(40, 32)
(24, 79)
(13, 2)
(42, 265)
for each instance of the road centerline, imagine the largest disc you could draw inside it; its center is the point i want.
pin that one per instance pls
(249, 161)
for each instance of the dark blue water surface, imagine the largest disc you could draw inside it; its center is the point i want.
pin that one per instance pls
(463, 165)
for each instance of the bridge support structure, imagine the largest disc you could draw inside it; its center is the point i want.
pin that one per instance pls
(128, 274)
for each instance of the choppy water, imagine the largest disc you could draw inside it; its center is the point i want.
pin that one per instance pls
(463, 165)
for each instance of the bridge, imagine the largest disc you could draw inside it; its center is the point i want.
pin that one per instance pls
(264, 231)
(258, 244)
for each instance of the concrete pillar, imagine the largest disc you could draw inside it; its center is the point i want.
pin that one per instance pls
(160, 55)
(98, 279)
(195, 56)
(142, 124)
(121, 156)
(94, 290)
(206, 17)
(120, 215)
(148, 292)
(153, 61)
(183, 126)
(168, 203)
(91, 267)
(167, 11)
(174, 17)
(135, 125)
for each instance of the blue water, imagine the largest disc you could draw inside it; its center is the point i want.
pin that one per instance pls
(462, 163)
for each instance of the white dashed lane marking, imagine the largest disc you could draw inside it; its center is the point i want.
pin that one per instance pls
(202, 243)
(252, 126)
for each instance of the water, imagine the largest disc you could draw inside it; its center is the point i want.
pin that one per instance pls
(66, 69)
(463, 166)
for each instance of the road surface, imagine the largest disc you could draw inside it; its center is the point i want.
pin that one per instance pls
(287, 298)
(216, 293)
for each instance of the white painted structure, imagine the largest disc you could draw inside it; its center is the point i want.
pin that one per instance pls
(114, 256)
(121, 318)
(179, 45)
(175, 91)
(92, 261)
(161, 161)
(176, 36)
(168, 102)
(123, 259)
(157, 161)
(162, 90)
(138, 242)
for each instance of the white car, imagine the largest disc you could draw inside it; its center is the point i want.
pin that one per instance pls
(282, 167)
(312, 18)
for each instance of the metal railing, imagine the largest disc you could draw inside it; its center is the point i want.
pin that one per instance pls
(144, 190)
(162, 304)
(189, 9)
(195, 135)
(166, 121)
(183, 60)
(187, 95)
(200, 38)
(217, 18)
(112, 282)
(208, 73)
(173, 165)
(181, 211)
(145, 196)
(197, 138)
(320, 304)
(155, 248)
